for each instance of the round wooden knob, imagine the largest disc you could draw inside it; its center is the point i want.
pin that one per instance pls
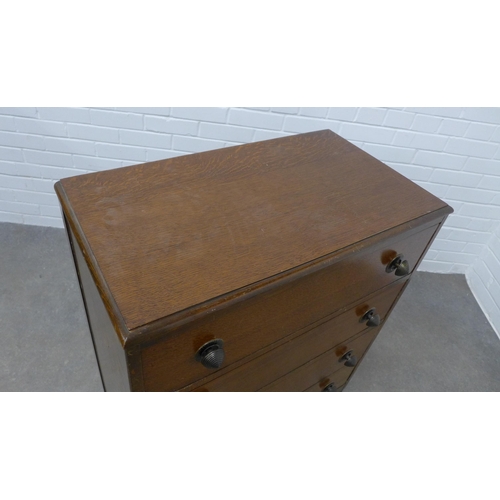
(211, 354)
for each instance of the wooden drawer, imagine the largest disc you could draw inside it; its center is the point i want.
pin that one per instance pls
(257, 322)
(322, 367)
(299, 350)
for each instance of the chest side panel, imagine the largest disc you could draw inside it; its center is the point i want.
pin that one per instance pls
(109, 351)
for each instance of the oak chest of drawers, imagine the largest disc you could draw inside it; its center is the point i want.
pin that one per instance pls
(270, 266)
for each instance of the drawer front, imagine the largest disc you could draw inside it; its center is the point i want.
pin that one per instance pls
(255, 323)
(263, 370)
(321, 368)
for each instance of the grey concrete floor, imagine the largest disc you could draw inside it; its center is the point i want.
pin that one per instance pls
(45, 341)
(437, 338)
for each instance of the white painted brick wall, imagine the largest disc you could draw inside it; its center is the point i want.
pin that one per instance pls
(452, 152)
(483, 276)
(170, 125)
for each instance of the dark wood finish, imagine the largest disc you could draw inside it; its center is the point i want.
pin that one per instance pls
(257, 244)
(159, 330)
(195, 227)
(277, 362)
(322, 367)
(109, 352)
(257, 322)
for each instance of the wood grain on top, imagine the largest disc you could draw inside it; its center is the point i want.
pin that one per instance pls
(171, 234)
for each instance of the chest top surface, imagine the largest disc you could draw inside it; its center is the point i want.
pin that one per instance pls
(170, 234)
